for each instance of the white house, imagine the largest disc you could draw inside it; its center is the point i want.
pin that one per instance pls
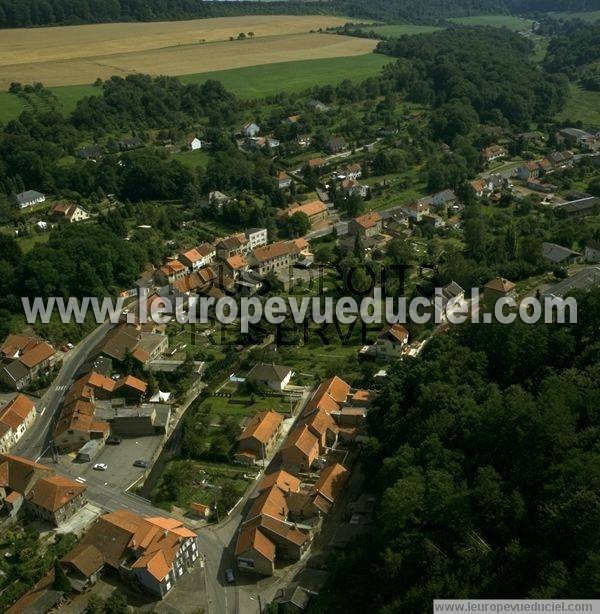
(273, 376)
(391, 341)
(195, 144)
(256, 237)
(451, 292)
(250, 129)
(30, 198)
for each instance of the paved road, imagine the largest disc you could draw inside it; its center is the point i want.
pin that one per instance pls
(37, 438)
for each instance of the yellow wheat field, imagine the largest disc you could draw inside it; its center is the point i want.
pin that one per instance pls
(71, 63)
(26, 45)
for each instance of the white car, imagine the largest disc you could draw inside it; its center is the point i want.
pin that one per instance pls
(100, 467)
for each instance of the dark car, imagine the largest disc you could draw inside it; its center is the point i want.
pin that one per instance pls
(141, 463)
(113, 440)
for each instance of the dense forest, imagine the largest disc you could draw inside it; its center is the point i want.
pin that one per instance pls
(575, 51)
(485, 464)
(23, 13)
(475, 73)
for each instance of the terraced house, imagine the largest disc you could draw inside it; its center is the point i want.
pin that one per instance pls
(15, 418)
(153, 553)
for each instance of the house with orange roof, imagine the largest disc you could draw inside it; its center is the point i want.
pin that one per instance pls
(498, 288)
(131, 388)
(300, 450)
(22, 359)
(259, 437)
(15, 418)
(192, 259)
(70, 213)
(319, 498)
(235, 265)
(171, 272)
(264, 538)
(38, 490)
(315, 210)
(152, 552)
(367, 225)
(333, 406)
(274, 257)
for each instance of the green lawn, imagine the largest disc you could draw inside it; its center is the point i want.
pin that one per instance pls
(28, 243)
(269, 79)
(192, 159)
(238, 405)
(583, 105)
(402, 30)
(69, 95)
(511, 22)
(584, 16)
(11, 106)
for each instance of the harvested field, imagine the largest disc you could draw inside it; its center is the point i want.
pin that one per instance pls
(186, 59)
(28, 45)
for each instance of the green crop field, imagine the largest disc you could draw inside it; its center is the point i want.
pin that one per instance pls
(401, 30)
(498, 21)
(269, 79)
(583, 105)
(249, 82)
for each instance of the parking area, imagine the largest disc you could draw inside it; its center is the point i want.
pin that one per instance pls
(120, 472)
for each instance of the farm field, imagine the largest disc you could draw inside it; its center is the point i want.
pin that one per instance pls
(268, 79)
(248, 82)
(401, 29)
(27, 45)
(517, 24)
(187, 59)
(583, 105)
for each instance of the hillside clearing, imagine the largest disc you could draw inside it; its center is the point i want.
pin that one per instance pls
(401, 30)
(187, 59)
(590, 16)
(583, 105)
(518, 24)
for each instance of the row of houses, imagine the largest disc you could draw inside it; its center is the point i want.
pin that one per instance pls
(236, 264)
(290, 504)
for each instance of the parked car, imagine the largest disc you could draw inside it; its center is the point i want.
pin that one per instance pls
(141, 463)
(114, 440)
(100, 467)
(230, 576)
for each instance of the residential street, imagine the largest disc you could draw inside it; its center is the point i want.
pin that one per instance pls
(37, 438)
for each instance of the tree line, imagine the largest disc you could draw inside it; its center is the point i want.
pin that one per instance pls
(25, 13)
